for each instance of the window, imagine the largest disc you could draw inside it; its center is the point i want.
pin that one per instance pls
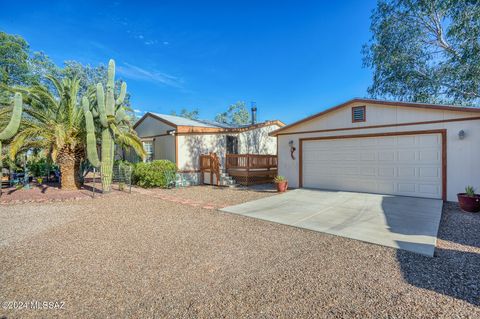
(358, 114)
(148, 146)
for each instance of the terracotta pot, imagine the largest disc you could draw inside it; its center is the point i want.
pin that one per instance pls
(282, 186)
(469, 204)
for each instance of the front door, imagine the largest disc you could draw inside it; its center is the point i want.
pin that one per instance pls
(232, 144)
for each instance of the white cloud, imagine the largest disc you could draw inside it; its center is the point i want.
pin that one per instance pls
(137, 73)
(166, 42)
(151, 42)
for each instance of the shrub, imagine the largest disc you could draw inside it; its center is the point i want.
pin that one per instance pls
(155, 174)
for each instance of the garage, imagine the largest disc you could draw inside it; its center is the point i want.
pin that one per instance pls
(409, 164)
(384, 147)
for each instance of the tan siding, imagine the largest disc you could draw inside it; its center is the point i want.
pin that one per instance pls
(152, 127)
(376, 115)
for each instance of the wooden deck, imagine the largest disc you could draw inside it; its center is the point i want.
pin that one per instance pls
(249, 169)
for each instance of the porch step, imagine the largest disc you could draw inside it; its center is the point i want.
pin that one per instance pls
(227, 180)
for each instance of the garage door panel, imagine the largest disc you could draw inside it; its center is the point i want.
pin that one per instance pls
(401, 165)
(407, 155)
(429, 156)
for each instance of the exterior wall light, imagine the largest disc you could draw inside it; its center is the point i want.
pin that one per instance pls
(171, 132)
(461, 134)
(292, 149)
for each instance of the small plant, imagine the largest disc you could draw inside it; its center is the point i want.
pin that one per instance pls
(39, 180)
(279, 179)
(121, 186)
(470, 191)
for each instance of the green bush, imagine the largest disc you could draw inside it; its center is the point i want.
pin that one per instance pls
(155, 174)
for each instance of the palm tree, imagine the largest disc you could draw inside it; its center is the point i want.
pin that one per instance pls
(54, 122)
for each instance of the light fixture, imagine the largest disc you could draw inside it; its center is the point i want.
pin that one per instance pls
(292, 149)
(171, 132)
(461, 134)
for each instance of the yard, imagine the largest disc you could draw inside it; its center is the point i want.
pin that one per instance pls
(171, 253)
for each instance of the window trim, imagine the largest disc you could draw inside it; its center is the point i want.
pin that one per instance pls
(364, 113)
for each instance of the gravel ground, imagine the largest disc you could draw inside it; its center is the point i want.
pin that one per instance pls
(139, 256)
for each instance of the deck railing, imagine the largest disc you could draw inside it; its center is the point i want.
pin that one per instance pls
(250, 161)
(249, 169)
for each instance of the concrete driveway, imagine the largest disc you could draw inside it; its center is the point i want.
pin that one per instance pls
(395, 221)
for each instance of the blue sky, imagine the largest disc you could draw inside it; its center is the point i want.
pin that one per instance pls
(293, 58)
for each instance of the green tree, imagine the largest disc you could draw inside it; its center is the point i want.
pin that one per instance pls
(425, 51)
(40, 65)
(13, 59)
(54, 122)
(89, 76)
(192, 114)
(236, 114)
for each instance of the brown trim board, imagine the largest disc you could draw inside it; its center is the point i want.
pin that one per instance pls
(153, 136)
(190, 171)
(381, 126)
(155, 117)
(443, 132)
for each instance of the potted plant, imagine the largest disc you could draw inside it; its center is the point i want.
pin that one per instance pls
(469, 201)
(282, 183)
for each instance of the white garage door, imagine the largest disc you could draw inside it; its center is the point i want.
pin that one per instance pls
(409, 165)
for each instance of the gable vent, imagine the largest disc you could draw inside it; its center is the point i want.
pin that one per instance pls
(358, 114)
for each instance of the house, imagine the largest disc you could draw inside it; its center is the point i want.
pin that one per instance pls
(385, 147)
(183, 140)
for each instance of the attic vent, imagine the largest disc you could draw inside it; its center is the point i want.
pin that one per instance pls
(358, 114)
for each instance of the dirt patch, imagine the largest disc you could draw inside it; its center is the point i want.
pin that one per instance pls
(140, 256)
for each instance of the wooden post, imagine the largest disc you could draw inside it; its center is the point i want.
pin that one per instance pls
(211, 168)
(248, 168)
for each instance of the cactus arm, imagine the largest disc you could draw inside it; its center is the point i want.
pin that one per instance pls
(1, 165)
(92, 154)
(101, 105)
(107, 159)
(120, 116)
(12, 127)
(110, 102)
(123, 93)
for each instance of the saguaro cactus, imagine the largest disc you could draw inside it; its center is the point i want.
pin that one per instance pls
(11, 129)
(111, 113)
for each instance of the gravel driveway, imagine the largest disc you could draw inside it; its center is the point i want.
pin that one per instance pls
(140, 256)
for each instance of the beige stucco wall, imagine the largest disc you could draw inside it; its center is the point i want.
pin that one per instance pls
(190, 147)
(258, 141)
(463, 156)
(255, 141)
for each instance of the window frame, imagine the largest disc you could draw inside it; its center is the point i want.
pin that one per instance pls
(149, 155)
